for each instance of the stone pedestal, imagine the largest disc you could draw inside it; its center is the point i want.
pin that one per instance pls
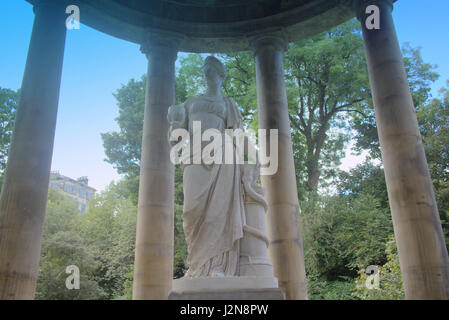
(227, 288)
(254, 261)
(230, 294)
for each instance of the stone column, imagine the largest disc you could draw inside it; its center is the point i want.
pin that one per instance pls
(285, 248)
(24, 195)
(153, 267)
(419, 236)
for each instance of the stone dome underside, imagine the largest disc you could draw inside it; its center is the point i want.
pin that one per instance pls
(212, 25)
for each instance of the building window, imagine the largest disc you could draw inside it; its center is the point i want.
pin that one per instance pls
(81, 193)
(54, 186)
(69, 188)
(88, 195)
(80, 207)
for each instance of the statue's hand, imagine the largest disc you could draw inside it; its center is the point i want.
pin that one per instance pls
(176, 116)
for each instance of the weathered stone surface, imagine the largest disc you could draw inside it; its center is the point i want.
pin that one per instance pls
(228, 283)
(24, 194)
(417, 226)
(153, 266)
(230, 294)
(285, 249)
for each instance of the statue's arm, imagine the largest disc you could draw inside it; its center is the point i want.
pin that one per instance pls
(177, 117)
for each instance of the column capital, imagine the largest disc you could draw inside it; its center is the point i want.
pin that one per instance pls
(275, 41)
(167, 43)
(360, 6)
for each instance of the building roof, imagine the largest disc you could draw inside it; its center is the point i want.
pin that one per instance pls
(56, 175)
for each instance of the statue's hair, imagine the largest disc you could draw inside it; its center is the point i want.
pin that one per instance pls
(213, 62)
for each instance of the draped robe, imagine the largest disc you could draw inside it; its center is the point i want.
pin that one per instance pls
(213, 214)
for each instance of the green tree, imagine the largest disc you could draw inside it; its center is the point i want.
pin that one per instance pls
(390, 278)
(123, 148)
(8, 105)
(433, 120)
(100, 243)
(330, 100)
(128, 285)
(340, 233)
(63, 246)
(319, 288)
(189, 77)
(240, 84)
(366, 178)
(326, 80)
(109, 232)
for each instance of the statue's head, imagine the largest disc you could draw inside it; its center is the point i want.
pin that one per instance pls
(214, 71)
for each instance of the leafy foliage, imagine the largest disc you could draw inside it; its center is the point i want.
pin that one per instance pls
(123, 148)
(109, 231)
(8, 105)
(366, 178)
(390, 278)
(326, 80)
(240, 85)
(100, 243)
(322, 289)
(63, 246)
(340, 233)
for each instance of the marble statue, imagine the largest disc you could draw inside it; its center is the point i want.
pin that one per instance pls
(224, 207)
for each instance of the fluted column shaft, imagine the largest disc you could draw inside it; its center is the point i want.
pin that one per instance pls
(24, 194)
(419, 235)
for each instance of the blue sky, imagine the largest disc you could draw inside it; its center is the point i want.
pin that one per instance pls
(96, 65)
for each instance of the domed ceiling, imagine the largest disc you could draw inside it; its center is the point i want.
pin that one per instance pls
(212, 25)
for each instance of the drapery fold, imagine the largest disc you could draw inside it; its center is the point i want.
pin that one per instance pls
(214, 212)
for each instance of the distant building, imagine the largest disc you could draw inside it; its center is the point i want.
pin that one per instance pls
(77, 190)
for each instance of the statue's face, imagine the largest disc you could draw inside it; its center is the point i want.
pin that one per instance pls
(212, 77)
